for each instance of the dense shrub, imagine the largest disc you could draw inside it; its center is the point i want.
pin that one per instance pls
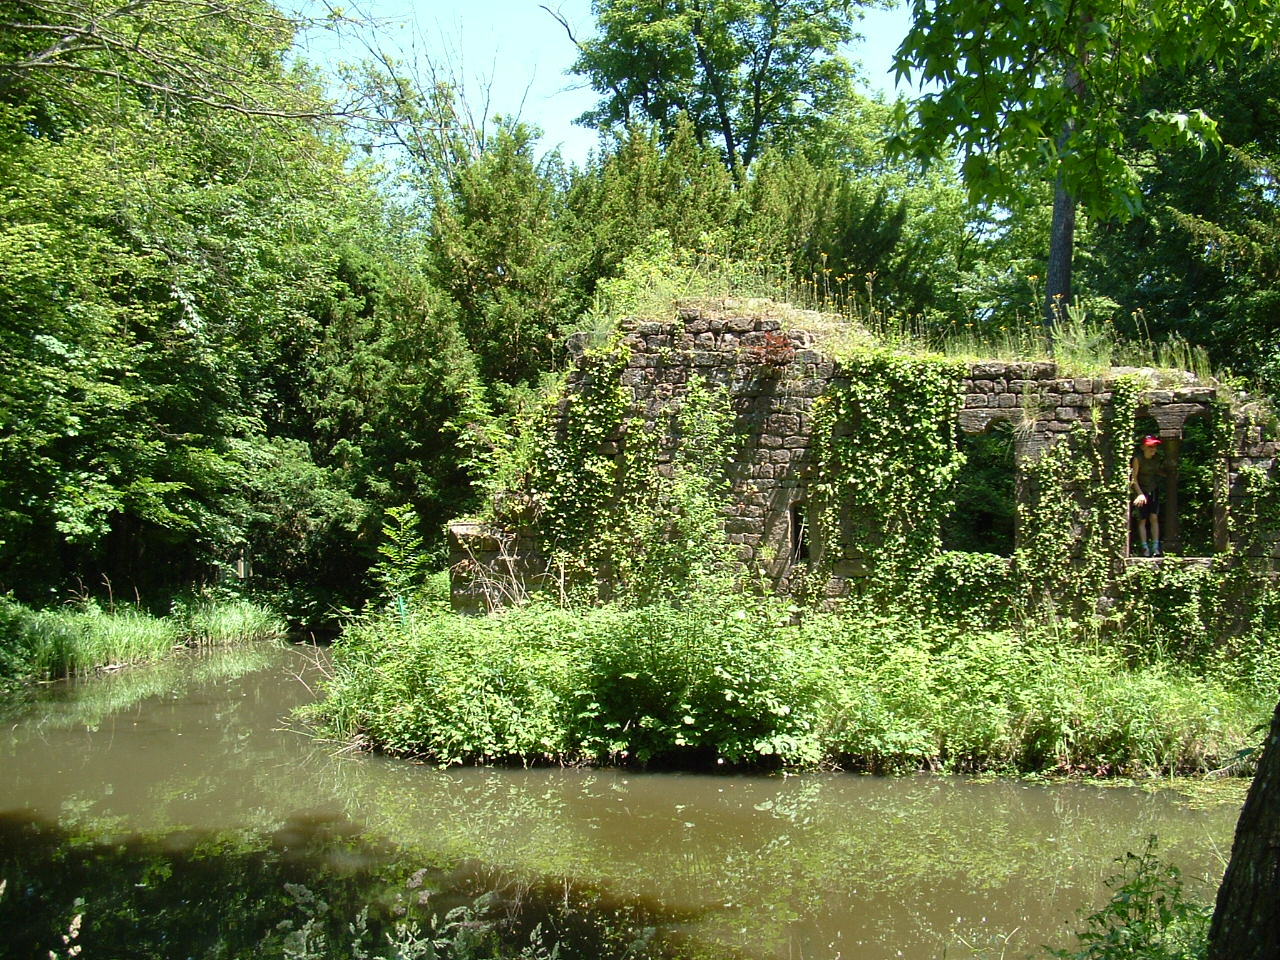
(734, 680)
(719, 679)
(454, 688)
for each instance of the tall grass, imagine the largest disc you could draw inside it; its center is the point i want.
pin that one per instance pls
(224, 622)
(45, 644)
(731, 680)
(847, 313)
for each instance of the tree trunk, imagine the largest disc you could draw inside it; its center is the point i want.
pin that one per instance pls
(1062, 233)
(1057, 281)
(1246, 921)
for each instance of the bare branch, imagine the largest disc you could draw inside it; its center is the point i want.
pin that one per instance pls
(205, 53)
(564, 22)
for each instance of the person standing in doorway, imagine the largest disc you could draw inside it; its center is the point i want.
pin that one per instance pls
(1146, 474)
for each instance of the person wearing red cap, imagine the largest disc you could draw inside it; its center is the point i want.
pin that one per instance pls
(1146, 473)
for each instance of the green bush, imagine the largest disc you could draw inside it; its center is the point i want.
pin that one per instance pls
(719, 679)
(884, 708)
(1149, 916)
(975, 587)
(732, 679)
(454, 688)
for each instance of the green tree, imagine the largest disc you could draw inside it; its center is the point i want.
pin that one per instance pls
(505, 248)
(1202, 258)
(67, 62)
(640, 186)
(196, 365)
(747, 73)
(392, 382)
(848, 215)
(1041, 91)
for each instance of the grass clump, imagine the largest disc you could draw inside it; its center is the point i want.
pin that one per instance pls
(733, 680)
(62, 642)
(218, 623)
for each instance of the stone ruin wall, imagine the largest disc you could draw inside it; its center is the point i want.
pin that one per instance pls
(774, 372)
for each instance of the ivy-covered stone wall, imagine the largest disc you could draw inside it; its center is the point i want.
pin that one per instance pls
(839, 467)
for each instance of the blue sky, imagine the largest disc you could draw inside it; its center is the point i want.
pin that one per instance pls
(521, 54)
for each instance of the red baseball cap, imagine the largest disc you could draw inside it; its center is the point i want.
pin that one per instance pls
(1150, 441)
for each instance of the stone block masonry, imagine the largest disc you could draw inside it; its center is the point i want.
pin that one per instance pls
(771, 362)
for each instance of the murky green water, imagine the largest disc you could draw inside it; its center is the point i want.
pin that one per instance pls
(178, 805)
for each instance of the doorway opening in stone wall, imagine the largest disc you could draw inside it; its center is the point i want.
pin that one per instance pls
(1188, 510)
(798, 532)
(984, 517)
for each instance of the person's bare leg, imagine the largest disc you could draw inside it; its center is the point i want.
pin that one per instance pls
(1155, 535)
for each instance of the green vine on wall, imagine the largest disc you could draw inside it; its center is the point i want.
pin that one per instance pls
(1073, 522)
(885, 461)
(1254, 520)
(575, 473)
(666, 533)
(613, 515)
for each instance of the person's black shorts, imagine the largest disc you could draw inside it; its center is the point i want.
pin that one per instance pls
(1151, 508)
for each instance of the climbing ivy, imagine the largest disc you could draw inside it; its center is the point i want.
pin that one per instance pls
(1074, 517)
(1256, 520)
(623, 507)
(665, 536)
(576, 470)
(885, 461)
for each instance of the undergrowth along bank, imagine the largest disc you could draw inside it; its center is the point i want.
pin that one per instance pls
(47, 644)
(732, 680)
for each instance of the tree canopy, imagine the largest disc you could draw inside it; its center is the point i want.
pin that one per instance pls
(747, 73)
(64, 60)
(1044, 89)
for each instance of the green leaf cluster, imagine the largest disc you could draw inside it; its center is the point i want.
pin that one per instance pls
(1043, 90)
(885, 459)
(746, 73)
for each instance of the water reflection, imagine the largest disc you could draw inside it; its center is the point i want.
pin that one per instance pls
(813, 866)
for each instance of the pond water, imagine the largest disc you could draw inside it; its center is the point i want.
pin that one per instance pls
(177, 810)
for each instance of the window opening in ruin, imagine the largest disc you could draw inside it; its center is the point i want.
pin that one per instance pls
(1187, 505)
(799, 528)
(985, 511)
